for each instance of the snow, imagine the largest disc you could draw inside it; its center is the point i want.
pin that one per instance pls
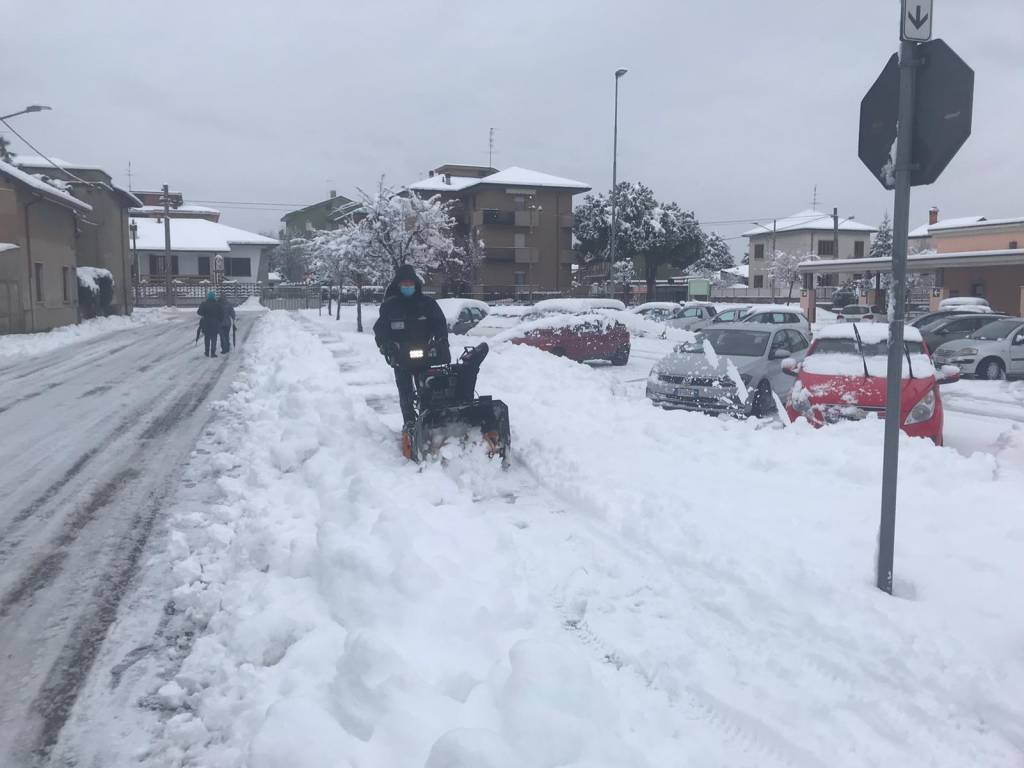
(88, 276)
(972, 303)
(577, 305)
(524, 177)
(741, 270)
(275, 277)
(148, 209)
(8, 247)
(436, 183)
(41, 186)
(807, 220)
(195, 235)
(655, 305)
(38, 161)
(16, 346)
(600, 604)
(835, 364)
(973, 221)
(251, 304)
(452, 307)
(870, 333)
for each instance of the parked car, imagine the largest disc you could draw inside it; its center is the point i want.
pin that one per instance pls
(780, 314)
(693, 379)
(579, 329)
(730, 315)
(694, 315)
(659, 311)
(994, 351)
(463, 314)
(845, 296)
(975, 303)
(501, 318)
(959, 325)
(861, 313)
(843, 378)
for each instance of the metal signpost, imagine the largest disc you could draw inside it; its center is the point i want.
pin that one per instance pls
(913, 121)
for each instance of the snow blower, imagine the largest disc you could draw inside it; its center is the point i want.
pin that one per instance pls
(448, 410)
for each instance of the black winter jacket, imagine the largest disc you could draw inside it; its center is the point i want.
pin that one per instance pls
(410, 323)
(211, 315)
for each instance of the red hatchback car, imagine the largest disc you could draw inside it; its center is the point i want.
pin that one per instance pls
(842, 378)
(577, 329)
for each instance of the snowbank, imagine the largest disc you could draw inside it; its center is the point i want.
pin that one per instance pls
(251, 304)
(642, 588)
(14, 346)
(88, 276)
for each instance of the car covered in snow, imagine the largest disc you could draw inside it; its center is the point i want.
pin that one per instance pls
(579, 329)
(971, 303)
(844, 296)
(463, 314)
(860, 313)
(729, 315)
(658, 311)
(734, 369)
(778, 315)
(994, 351)
(500, 319)
(843, 378)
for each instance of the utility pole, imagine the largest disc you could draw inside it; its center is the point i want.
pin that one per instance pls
(490, 150)
(166, 200)
(835, 233)
(900, 227)
(615, 181)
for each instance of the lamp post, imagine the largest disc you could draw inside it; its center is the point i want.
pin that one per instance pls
(615, 180)
(26, 110)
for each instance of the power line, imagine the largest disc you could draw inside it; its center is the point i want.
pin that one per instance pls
(40, 153)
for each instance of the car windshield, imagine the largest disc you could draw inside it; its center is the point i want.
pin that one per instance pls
(996, 331)
(849, 347)
(730, 342)
(855, 310)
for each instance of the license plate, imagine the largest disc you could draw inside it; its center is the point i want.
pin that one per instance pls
(686, 392)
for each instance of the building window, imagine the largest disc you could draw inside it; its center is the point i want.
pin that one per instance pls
(858, 249)
(519, 240)
(520, 278)
(204, 265)
(759, 251)
(759, 280)
(978, 289)
(39, 280)
(1013, 245)
(156, 264)
(235, 267)
(826, 248)
(65, 284)
(519, 202)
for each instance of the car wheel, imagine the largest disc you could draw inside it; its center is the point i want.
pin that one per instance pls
(992, 369)
(621, 357)
(764, 403)
(558, 352)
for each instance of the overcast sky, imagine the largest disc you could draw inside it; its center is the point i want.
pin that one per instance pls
(734, 110)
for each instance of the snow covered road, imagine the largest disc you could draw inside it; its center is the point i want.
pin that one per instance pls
(94, 438)
(641, 588)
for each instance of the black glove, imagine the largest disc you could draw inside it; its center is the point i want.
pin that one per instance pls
(390, 352)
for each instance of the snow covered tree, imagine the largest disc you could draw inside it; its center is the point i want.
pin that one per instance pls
(290, 259)
(623, 272)
(784, 269)
(717, 257)
(458, 271)
(5, 154)
(661, 234)
(343, 256)
(881, 246)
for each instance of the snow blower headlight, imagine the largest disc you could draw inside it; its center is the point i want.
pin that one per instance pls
(415, 354)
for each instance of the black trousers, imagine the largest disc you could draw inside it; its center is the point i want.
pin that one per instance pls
(210, 343)
(406, 391)
(225, 338)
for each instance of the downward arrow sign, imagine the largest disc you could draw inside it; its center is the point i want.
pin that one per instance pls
(917, 20)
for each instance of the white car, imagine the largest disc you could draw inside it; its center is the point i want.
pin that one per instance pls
(463, 314)
(501, 318)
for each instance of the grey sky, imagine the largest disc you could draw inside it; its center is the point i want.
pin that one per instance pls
(735, 110)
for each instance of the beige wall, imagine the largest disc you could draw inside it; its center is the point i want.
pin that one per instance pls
(992, 239)
(51, 241)
(1000, 285)
(103, 242)
(805, 242)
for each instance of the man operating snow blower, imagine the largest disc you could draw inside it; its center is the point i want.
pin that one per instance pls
(436, 396)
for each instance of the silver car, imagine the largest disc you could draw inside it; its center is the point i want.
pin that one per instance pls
(694, 378)
(994, 351)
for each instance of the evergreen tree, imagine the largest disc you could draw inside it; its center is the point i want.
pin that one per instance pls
(881, 247)
(717, 257)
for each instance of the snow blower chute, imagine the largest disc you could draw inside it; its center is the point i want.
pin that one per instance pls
(448, 410)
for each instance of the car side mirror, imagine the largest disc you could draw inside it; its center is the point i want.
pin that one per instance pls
(780, 354)
(947, 374)
(1019, 339)
(790, 366)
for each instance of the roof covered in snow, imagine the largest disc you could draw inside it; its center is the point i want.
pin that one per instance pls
(925, 230)
(195, 235)
(974, 221)
(8, 247)
(510, 177)
(809, 220)
(740, 270)
(38, 161)
(147, 209)
(40, 186)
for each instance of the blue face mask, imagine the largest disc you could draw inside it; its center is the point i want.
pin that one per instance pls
(407, 290)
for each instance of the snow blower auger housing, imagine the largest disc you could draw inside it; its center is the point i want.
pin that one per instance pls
(448, 409)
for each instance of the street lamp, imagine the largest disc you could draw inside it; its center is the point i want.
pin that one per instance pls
(615, 180)
(26, 110)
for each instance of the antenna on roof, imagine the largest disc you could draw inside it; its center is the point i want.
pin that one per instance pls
(129, 175)
(490, 150)
(814, 200)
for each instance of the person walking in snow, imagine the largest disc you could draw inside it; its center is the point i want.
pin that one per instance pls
(227, 321)
(409, 320)
(210, 316)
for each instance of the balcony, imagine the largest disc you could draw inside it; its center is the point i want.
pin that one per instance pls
(527, 255)
(490, 217)
(565, 220)
(527, 218)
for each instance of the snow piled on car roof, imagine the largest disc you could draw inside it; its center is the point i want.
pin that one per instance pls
(870, 333)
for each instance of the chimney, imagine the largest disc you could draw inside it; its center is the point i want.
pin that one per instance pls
(447, 178)
(334, 193)
(933, 215)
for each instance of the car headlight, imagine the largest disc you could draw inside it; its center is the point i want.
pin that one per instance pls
(924, 409)
(654, 376)
(967, 351)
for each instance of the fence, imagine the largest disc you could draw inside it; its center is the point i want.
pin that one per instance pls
(191, 295)
(769, 295)
(292, 297)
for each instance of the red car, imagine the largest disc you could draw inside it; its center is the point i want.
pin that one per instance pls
(842, 378)
(577, 329)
